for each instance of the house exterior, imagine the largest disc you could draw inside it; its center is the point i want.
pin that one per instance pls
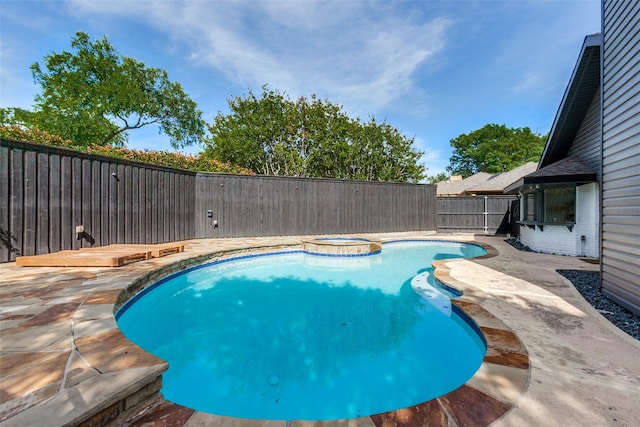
(559, 202)
(584, 197)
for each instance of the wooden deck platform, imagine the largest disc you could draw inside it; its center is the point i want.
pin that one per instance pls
(157, 251)
(101, 256)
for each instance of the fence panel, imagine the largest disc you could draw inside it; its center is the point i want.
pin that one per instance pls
(96, 198)
(6, 240)
(475, 214)
(45, 192)
(269, 206)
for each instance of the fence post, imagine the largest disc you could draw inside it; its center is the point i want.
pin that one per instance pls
(486, 217)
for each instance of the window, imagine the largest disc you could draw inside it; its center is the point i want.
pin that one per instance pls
(560, 204)
(550, 205)
(530, 207)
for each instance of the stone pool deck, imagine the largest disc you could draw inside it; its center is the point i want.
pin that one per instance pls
(552, 359)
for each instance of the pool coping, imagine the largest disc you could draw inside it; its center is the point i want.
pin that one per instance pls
(115, 375)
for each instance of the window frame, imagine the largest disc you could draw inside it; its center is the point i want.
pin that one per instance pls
(536, 195)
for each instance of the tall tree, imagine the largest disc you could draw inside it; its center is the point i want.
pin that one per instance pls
(494, 149)
(274, 135)
(434, 179)
(93, 95)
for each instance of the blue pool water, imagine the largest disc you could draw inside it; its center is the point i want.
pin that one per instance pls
(296, 336)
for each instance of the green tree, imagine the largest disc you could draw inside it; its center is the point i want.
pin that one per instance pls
(14, 116)
(274, 135)
(93, 95)
(494, 149)
(442, 176)
(379, 152)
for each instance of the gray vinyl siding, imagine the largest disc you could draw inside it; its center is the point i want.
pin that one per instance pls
(587, 142)
(621, 153)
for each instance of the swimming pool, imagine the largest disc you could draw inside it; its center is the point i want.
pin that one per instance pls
(289, 335)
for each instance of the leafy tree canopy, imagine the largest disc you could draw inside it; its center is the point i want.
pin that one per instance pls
(442, 176)
(494, 149)
(93, 95)
(309, 137)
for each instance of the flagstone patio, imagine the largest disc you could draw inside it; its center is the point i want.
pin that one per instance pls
(551, 359)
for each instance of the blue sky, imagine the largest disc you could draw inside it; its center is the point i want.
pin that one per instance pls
(432, 69)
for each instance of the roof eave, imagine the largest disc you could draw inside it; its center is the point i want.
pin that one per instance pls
(591, 44)
(515, 187)
(550, 180)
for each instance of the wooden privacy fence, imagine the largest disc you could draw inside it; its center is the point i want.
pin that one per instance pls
(46, 192)
(477, 214)
(268, 206)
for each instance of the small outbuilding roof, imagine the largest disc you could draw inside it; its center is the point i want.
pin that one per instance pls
(484, 183)
(456, 188)
(498, 182)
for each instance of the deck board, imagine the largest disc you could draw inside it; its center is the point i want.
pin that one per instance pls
(84, 258)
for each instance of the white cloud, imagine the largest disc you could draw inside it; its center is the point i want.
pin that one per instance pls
(434, 159)
(362, 55)
(529, 81)
(18, 52)
(17, 88)
(535, 56)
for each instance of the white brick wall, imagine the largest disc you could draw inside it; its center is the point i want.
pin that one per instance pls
(556, 239)
(588, 220)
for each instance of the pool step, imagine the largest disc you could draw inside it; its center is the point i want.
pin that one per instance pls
(420, 284)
